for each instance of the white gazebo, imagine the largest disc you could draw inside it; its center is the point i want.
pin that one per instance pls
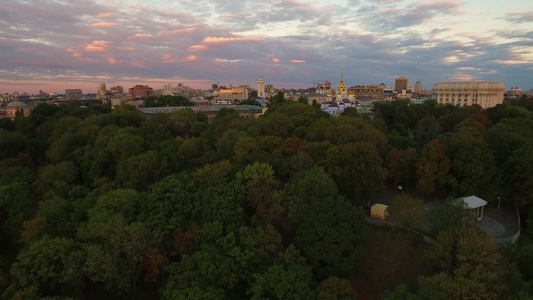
(475, 204)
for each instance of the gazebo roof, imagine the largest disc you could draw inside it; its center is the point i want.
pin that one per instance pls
(473, 201)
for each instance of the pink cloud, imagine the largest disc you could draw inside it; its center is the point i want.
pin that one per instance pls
(141, 35)
(106, 15)
(97, 46)
(111, 61)
(74, 53)
(275, 60)
(197, 48)
(125, 48)
(177, 31)
(104, 24)
(167, 58)
(225, 40)
(297, 61)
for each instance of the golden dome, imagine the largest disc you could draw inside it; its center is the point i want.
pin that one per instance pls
(260, 80)
(342, 87)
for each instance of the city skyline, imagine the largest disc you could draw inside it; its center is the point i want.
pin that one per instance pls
(53, 46)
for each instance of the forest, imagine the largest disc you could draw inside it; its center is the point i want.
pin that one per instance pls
(101, 203)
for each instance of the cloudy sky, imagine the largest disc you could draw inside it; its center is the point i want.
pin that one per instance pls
(52, 45)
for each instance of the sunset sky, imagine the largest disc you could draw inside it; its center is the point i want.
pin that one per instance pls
(54, 45)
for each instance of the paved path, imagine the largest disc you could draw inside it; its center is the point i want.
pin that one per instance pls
(503, 225)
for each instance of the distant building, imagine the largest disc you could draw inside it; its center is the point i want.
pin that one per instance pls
(209, 111)
(516, 91)
(401, 83)
(73, 94)
(117, 99)
(404, 95)
(180, 89)
(117, 89)
(101, 92)
(141, 91)
(375, 92)
(269, 90)
(233, 93)
(200, 102)
(323, 88)
(16, 106)
(261, 88)
(484, 93)
(418, 87)
(388, 94)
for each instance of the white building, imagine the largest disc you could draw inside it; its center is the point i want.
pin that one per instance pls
(260, 88)
(484, 93)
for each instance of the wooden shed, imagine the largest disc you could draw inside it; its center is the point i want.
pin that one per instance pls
(379, 211)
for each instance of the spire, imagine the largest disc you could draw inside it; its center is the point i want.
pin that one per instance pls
(260, 80)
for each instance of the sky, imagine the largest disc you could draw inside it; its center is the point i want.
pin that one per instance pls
(55, 45)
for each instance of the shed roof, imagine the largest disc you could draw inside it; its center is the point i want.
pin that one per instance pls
(473, 201)
(380, 206)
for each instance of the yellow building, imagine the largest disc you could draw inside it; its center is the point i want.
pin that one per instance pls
(379, 211)
(376, 92)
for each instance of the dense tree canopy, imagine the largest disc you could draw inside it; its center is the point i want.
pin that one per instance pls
(101, 203)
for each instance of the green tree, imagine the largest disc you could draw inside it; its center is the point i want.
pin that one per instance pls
(406, 210)
(226, 144)
(448, 215)
(124, 144)
(17, 202)
(394, 170)
(331, 237)
(279, 281)
(361, 173)
(518, 176)
(261, 188)
(182, 121)
(278, 99)
(426, 130)
(507, 136)
(277, 124)
(50, 265)
(222, 202)
(432, 166)
(472, 267)
(167, 206)
(167, 100)
(330, 231)
(303, 100)
(196, 152)
(407, 165)
(116, 252)
(56, 179)
(11, 143)
(473, 171)
(335, 288)
(141, 170)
